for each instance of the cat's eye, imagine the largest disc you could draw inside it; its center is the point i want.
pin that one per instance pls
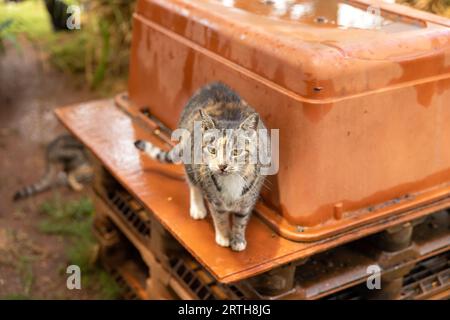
(237, 152)
(211, 150)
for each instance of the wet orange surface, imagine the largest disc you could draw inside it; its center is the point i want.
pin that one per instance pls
(346, 55)
(362, 114)
(109, 133)
(362, 111)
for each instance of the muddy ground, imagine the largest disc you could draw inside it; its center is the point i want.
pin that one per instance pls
(32, 263)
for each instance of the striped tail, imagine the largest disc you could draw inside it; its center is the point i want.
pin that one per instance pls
(154, 152)
(46, 182)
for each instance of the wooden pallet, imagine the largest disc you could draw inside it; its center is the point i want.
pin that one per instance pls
(160, 188)
(175, 273)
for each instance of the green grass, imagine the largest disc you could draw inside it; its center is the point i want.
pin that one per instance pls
(28, 17)
(26, 272)
(24, 266)
(68, 53)
(96, 55)
(109, 289)
(74, 219)
(16, 296)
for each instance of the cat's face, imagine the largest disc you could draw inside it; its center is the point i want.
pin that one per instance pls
(230, 148)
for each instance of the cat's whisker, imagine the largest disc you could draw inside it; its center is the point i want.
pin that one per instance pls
(268, 188)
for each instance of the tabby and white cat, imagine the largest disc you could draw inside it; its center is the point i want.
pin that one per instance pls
(230, 188)
(67, 164)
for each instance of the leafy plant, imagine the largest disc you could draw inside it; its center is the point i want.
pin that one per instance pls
(5, 34)
(27, 17)
(100, 50)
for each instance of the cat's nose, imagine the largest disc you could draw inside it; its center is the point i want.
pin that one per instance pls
(223, 167)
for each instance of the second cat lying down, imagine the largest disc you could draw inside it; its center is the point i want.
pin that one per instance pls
(226, 178)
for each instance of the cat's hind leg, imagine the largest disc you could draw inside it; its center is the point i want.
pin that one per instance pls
(73, 182)
(197, 206)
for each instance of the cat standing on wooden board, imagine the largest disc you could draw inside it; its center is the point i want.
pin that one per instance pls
(230, 187)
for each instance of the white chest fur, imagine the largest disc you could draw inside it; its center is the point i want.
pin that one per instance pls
(231, 186)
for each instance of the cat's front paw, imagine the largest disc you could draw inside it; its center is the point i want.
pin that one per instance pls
(238, 244)
(198, 211)
(222, 240)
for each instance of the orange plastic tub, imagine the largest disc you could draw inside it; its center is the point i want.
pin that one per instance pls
(362, 102)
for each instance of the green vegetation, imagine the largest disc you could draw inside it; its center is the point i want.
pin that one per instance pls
(100, 50)
(28, 17)
(26, 272)
(74, 219)
(6, 34)
(71, 218)
(16, 297)
(97, 54)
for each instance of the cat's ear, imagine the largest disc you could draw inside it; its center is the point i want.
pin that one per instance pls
(250, 123)
(207, 122)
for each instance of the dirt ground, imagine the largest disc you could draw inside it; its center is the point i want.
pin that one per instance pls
(32, 264)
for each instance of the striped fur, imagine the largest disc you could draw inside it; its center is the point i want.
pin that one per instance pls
(66, 164)
(154, 152)
(230, 189)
